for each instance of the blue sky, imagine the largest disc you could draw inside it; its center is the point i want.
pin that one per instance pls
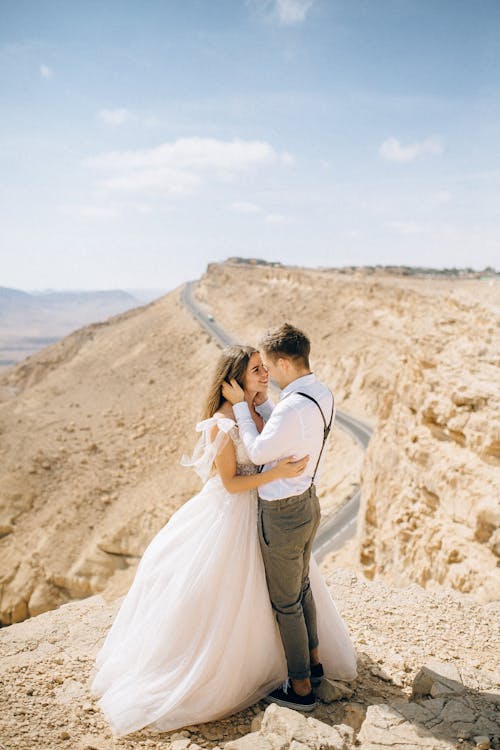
(140, 141)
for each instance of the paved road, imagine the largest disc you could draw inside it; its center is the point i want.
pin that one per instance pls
(341, 526)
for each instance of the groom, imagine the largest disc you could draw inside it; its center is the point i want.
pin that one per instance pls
(289, 511)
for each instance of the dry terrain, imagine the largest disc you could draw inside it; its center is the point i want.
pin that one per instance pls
(46, 664)
(420, 358)
(92, 429)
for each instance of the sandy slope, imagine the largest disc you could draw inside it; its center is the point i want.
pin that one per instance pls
(93, 428)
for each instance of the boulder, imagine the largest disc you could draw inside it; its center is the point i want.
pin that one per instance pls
(292, 725)
(386, 727)
(435, 679)
(333, 690)
(258, 741)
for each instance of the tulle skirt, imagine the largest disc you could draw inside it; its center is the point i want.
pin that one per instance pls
(195, 638)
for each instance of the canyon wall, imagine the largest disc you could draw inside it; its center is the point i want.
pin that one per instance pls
(420, 360)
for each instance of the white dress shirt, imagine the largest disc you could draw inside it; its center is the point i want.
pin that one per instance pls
(294, 428)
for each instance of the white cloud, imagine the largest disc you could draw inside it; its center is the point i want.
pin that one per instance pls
(114, 116)
(121, 115)
(293, 11)
(392, 149)
(287, 158)
(143, 208)
(178, 167)
(405, 227)
(277, 219)
(45, 71)
(486, 174)
(286, 12)
(442, 196)
(102, 208)
(352, 234)
(243, 207)
(150, 121)
(89, 211)
(168, 181)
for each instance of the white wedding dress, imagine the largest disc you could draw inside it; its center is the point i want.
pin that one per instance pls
(195, 638)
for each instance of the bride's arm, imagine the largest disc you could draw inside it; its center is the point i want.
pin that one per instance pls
(225, 462)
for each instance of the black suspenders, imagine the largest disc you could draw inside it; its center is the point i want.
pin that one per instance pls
(326, 427)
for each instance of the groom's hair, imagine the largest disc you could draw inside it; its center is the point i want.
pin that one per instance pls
(287, 341)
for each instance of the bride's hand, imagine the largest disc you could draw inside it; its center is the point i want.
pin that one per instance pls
(289, 467)
(232, 392)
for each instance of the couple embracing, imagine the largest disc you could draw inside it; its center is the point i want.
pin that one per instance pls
(227, 606)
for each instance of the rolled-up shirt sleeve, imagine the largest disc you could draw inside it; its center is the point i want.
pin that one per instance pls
(275, 440)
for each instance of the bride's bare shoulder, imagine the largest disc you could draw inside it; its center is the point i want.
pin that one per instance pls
(226, 410)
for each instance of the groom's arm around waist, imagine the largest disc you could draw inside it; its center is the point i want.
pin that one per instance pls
(276, 440)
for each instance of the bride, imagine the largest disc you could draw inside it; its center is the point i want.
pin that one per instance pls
(195, 638)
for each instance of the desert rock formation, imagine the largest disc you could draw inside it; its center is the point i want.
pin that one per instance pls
(47, 661)
(420, 358)
(438, 441)
(92, 429)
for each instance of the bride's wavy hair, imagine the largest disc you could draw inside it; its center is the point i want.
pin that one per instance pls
(233, 363)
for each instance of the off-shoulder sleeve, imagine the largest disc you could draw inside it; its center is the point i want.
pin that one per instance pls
(207, 449)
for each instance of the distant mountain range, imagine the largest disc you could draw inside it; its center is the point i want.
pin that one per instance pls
(50, 297)
(31, 320)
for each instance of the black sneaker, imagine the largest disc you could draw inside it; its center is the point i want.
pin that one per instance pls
(317, 674)
(286, 696)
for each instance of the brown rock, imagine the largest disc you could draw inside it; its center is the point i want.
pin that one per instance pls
(437, 678)
(333, 690)
(354, 715)
(385, 727)
(258, 741)
(180, 744)
(482, 743)
(257, 722)
(291, 725)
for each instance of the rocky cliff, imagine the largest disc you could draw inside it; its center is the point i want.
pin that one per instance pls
(420, 359)
(431, 480)
(91, 432)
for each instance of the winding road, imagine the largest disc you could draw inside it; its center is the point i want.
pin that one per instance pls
(336, 529)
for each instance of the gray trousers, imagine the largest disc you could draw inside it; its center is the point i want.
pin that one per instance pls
(286, 532)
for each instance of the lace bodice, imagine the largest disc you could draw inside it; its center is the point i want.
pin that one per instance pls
(243, 463)
(206, 449)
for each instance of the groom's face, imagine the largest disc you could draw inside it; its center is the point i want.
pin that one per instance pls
(275, 369)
